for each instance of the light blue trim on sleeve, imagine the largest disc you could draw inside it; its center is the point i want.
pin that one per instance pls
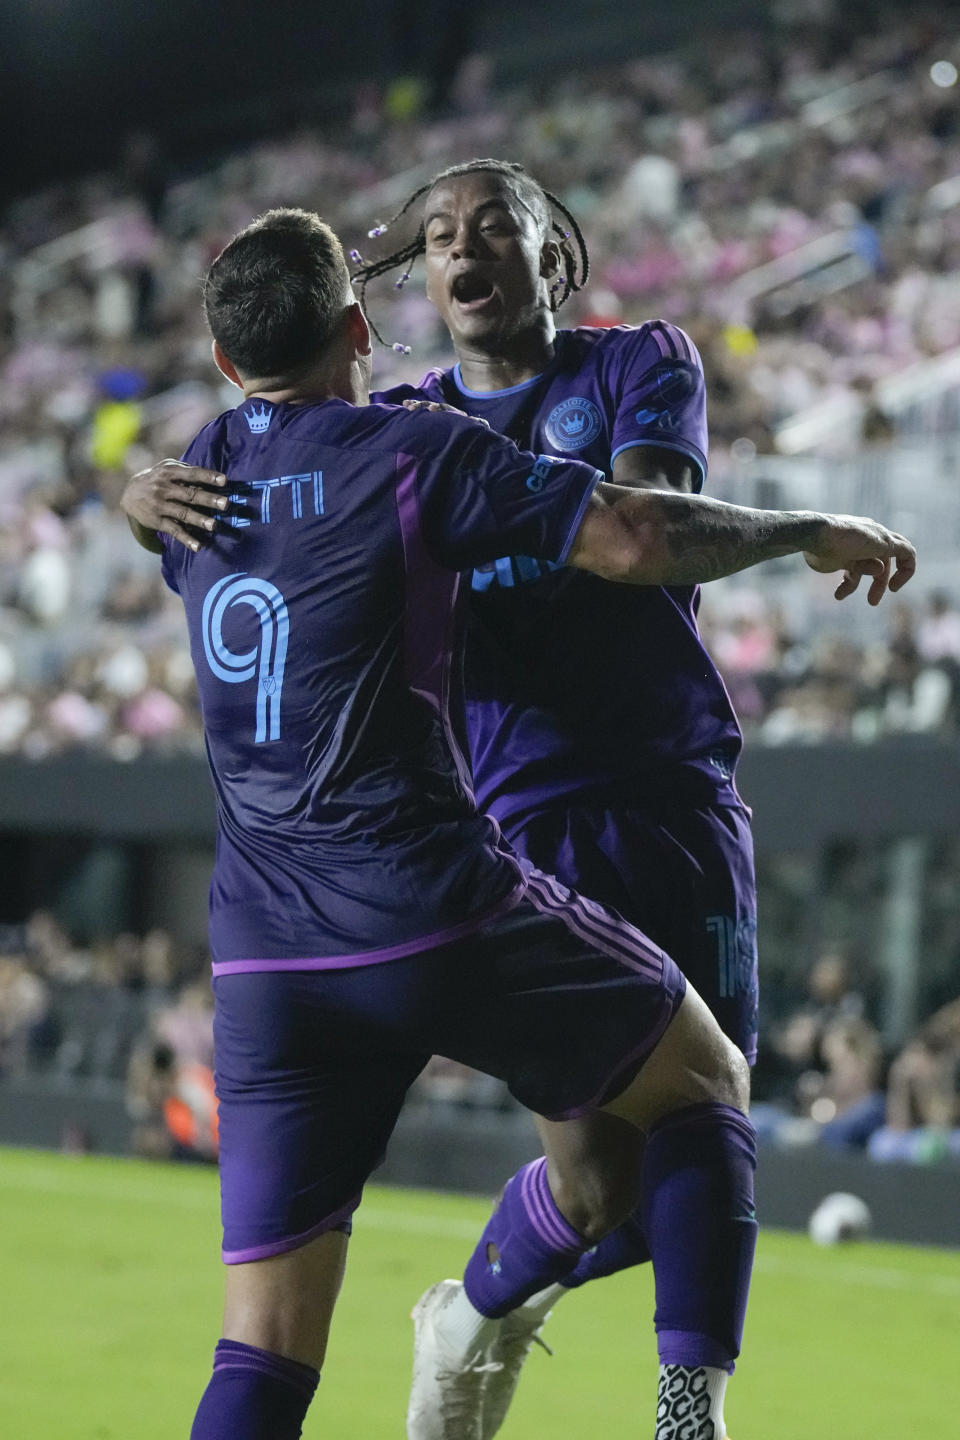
(690, 451)
(598, 477)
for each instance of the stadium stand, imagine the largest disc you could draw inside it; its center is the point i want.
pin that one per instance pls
(795, 206)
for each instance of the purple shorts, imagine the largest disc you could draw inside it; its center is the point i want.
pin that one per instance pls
(559, 998)
(685, 876)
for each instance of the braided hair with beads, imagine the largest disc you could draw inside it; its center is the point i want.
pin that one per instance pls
(542, 205)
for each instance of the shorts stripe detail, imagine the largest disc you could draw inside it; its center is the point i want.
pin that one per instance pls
(596, 938)
(374, 957)
(600, 929)
(619, 933)
(292, 1242)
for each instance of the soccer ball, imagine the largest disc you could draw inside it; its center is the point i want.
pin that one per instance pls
(838, 1218)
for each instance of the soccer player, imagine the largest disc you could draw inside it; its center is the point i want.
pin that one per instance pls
(363, 914)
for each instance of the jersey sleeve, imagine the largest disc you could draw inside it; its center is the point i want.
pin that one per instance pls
(661, 395)
(480, 497)
(168, 567)
(430, 388)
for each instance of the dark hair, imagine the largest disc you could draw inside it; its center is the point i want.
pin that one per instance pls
(273, 296)
(543, 206)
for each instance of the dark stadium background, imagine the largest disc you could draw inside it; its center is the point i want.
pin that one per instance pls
(199, 73)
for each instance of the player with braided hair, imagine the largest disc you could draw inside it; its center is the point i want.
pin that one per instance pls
(538, 202)
(653, 827)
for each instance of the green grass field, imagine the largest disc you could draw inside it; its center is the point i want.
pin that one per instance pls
(110, 1296)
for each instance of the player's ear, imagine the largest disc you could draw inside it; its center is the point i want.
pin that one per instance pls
(551, 261)
(226, 367)
(358, 329)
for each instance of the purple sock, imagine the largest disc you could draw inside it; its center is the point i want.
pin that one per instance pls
(701, 1227)
(254, 1395)
(623, 1247)
(533, 1246)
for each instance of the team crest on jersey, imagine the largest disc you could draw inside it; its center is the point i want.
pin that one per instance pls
(573, 423)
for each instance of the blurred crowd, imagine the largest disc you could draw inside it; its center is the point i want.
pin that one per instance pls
(126, 1008)
(791, 686)
(830, 1080)
(699, 180)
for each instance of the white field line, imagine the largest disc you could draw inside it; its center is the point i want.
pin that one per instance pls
(820, 1266)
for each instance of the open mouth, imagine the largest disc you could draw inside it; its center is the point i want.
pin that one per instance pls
(471, 290)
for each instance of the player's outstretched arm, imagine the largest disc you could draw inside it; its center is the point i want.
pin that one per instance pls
(650, 537)
(182, 501)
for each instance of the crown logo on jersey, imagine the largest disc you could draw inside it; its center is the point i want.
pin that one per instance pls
(573, 424)
(258, 420)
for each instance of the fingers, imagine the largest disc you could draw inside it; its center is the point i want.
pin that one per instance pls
(880, 569)
(411, 404)
(905, 559)
(892, 564)
(178, 473)
(196, 497)
(194, 510)
(856, 572)
(848, 585)
(192, 542)
(185, 496)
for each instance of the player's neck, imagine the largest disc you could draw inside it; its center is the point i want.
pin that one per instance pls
(522, 357)
(343, 382)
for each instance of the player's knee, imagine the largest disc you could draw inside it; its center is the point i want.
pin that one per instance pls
(594, 1204)
(730, 1081)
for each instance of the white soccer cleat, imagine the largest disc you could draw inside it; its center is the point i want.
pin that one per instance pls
(448, 1388)
(518, 1335)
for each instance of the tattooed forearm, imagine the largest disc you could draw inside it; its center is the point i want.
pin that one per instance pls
(711, 540)
(687, 540)
(649, 537)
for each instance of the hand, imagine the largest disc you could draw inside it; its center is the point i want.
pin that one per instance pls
(412, 404)
(861, 547)
(176, 499)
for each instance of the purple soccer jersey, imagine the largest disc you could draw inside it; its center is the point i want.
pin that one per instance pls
(576, 686)
(323, 626)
